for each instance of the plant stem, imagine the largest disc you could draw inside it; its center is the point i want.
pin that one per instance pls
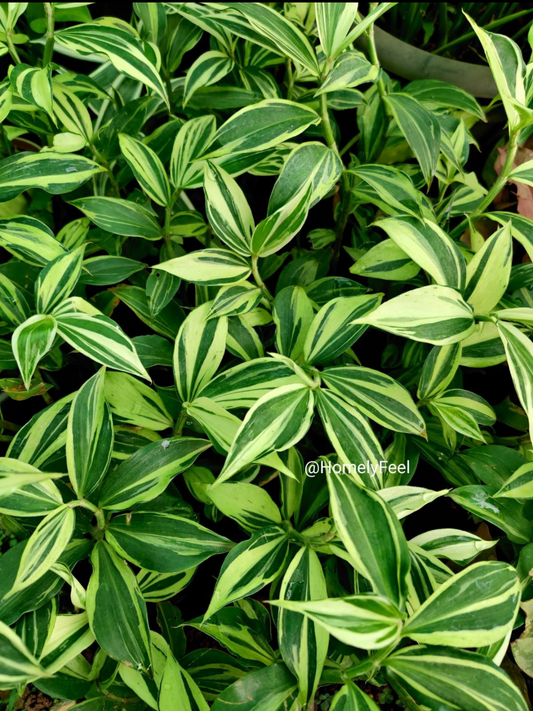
(182, 419)
(490, 26)
(49, 46)
(326, 124)
(100, 516)
(344, 207)
(11, 46)
(499, 183)
(11, 426)
(373, 55)
(290, 78)
(260, 283)
(350, 144)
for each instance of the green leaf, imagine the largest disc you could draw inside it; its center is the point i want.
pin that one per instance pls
(447, 679)
(147, 169)
(107, 269)
(35, 627)
(292, 314)
(158, 587)
(394, 187)
(98, 337)
(167, 322)
(17, 665)
(114, 602)
(489, 270)
(364, 621)
(276, 422)
(117, 41)
(192, 140)
(179, 690)
(272, 688)
(227, 209)
(41, 441)
(260, 126)
(431, 314)
(209, 267)
(519, 350)
(508, 69)
(366, 23)
(199, 348)
(451, 543)
(420, 128)
(147, 473)
(134, 403)
(519, 485)
(14, 308)
(57, 280)
(31, 341)
(244, 384)
(438, 370)
(278, 32)
(235, 300)
(89, 436)
(277, 230)
(15, 474)
(428, 246)
(386, 260)
(476, 607)
(353, 440)
(404, 500)
(209, 68)
(120, 217)
(44, 547)
(55, 173)
(71, 111)
(303, 644)
(250, 566)
(250, 505)
(233, 629)
(435, 94)
(70, 636)
(378, 396)
(351, 69)
(372, 535)
(503, 513)
(162, 542)
(351, 698)
(310, 162)
(33, 85)
(334, 328)
(6, 99)
(30, 240)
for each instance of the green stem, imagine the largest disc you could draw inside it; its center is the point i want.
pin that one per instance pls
(260, 283)
(49, 46)
(490, 26)
(100, 516)
(499, 183)
(11, 426)
(342, 219)
(373, 55)
(344, 207)
(350, 144)
(180, 424)
(290, 79)
(11, 46)
(326, 123)
(370, 665)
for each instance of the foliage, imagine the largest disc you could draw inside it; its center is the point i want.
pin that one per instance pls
(218, 387)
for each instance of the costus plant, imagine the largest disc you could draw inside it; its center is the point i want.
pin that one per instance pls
(267, 370)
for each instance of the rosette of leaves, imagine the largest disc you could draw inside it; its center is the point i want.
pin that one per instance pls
(194, 353)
